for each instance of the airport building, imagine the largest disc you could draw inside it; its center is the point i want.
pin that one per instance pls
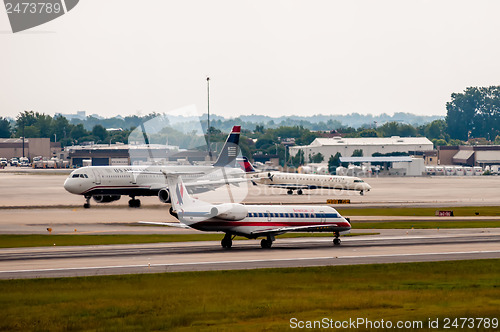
(33, 147)
(467, 155)
(368, 145)
(124, 154)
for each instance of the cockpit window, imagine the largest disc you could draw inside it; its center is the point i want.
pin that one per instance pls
(359, 181)
(76, 175)
(83, 176)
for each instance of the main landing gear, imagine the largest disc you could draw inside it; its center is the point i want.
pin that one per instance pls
(290, 192)
(361, 192)
(86, 205)
(227, 241)
(267, 243)
(337, 241)
(134, 203)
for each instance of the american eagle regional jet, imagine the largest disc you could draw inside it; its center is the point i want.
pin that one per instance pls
(250, 221)
(108, 183)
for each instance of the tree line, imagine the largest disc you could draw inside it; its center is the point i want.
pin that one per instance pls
(473, 117)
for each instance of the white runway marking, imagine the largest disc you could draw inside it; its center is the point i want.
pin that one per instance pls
(250, 261)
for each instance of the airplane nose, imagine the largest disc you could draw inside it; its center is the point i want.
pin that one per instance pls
(68, 185)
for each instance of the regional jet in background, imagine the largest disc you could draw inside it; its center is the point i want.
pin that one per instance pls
(108, 183)
(250, 221)
(299, 182)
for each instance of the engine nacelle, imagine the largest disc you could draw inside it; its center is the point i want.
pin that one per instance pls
(164, 196)
(106, 198)
(229, 211)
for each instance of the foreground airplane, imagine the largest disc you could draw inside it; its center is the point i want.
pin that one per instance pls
(108, 183)
(251, 221)
(295, 181)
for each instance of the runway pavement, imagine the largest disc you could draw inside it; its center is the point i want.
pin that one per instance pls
(30, 203)
(424, 245)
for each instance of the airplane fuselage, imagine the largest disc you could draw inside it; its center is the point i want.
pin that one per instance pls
(295, 181)
(261, 218)
(134, 180)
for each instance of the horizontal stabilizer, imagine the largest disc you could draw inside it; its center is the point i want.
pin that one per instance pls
(170, 224)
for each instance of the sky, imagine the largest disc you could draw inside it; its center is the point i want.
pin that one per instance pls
(276, 58)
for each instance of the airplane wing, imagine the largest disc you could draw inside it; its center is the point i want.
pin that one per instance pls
(308, 228)
(170, 224)
(215, 182)
(290, 186)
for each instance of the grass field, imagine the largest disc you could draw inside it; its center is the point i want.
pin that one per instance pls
(40, 240)
(421, 211)
(252, 300)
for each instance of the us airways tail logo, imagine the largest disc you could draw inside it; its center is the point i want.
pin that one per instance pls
(25, 14)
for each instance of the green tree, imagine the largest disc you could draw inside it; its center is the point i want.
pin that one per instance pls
(357, 153)
(334, 162)
(5, 131)
(78, 132)
(368, 133)
(317, 157)
(298, 159)
(474, 113)
(100, 132)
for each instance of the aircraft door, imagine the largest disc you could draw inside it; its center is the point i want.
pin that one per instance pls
(268, 215)
(322, 216)
(97, 177)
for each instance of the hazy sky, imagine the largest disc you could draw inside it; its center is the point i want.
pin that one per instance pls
(264, 57)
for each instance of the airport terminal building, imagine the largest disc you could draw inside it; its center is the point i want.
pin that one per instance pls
(368, 145)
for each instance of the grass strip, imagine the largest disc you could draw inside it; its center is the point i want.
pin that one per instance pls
(253, 300)
(461, 211)
(41, 240)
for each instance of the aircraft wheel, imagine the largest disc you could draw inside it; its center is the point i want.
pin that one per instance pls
(289, 192)
(226, 243)
(86, 205)
(336, 241)
(266, 244)
(299, 192)
(361, 192)
(134, 203)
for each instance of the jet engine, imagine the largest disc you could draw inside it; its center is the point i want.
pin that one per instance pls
(164, 196)
(106, 198)
(229, 211)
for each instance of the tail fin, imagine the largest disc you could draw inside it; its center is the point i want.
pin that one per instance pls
(245, 165)
(230, 150)
(187, 209)
(179, 195)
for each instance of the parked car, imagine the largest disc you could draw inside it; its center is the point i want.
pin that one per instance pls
(14, 162)
(24, 162)
(3, 162)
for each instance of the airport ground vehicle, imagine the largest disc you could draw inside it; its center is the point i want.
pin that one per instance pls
(3, 162)
(24, 162)
(14, 162)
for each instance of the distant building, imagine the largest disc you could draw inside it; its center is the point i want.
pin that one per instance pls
(33, 147)
(477, 155)
(368, 145)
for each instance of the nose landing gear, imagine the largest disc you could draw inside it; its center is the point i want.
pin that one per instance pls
(134, 203)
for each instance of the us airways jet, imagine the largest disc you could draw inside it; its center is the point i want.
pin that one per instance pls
(251, 221)
(299, 182)
(108, 183)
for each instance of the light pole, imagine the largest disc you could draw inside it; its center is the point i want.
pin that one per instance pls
(208, 119)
